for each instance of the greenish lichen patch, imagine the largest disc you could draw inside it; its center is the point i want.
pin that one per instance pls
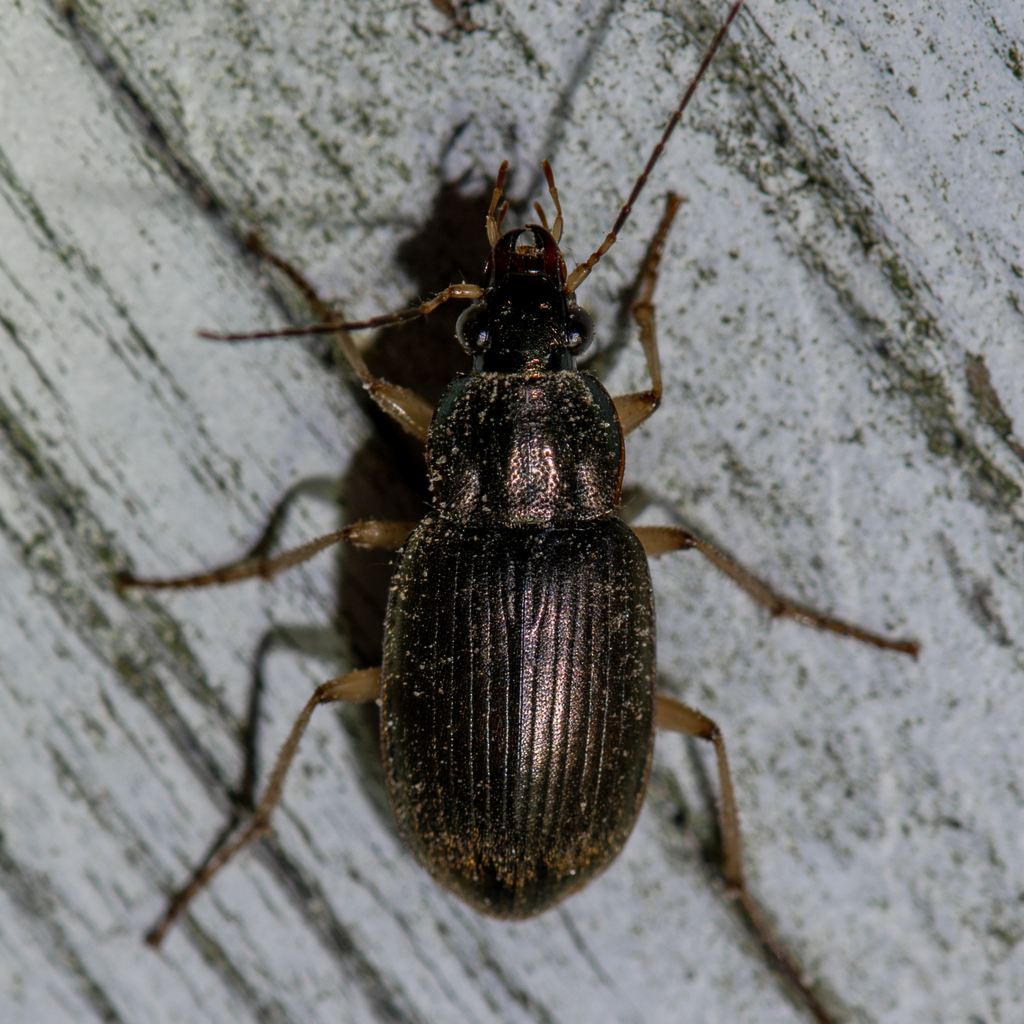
(986, 401)
(1014, 62)
(987, 404)
(330, 148)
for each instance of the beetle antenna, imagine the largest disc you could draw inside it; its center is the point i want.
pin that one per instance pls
(494, 226)
(454, 291)
(500, 219)
(580, 274)
(556, 228)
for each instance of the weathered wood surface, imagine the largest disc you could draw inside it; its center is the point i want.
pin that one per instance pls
(850, 254)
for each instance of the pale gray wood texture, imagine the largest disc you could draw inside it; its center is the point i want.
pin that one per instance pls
(850, 254)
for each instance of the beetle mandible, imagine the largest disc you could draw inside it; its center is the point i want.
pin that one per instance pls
(517, 750)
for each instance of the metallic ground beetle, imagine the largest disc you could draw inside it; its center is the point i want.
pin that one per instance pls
(517, 691)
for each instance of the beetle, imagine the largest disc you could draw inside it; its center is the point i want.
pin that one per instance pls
(518, 714)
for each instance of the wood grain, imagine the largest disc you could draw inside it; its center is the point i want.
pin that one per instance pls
(848, 261)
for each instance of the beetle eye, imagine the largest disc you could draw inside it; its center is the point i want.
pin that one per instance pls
(579, 330)
(471, 329)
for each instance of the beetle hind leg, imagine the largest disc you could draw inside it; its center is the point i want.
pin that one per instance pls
(678, 717)
(359, 686)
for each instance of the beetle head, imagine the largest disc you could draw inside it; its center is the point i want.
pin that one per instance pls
(525, 319)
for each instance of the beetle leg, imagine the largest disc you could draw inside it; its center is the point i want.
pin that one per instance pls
(634, 408)
(679, 717)
(405, 407)
(362, 685)
(658, 540)
(370, 534)
(401, 404)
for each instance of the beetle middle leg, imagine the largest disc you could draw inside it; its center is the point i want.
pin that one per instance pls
(634, 408)
(659, 540)
(388, 536)
(356, 687)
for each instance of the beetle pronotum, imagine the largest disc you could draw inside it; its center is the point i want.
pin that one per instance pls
(516, 749)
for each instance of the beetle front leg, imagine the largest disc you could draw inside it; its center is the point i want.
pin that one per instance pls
(410, 411)
(388, 536)
(679, 717)
(634, 408)
(405, 407)
(659, 540)
(359, 686)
